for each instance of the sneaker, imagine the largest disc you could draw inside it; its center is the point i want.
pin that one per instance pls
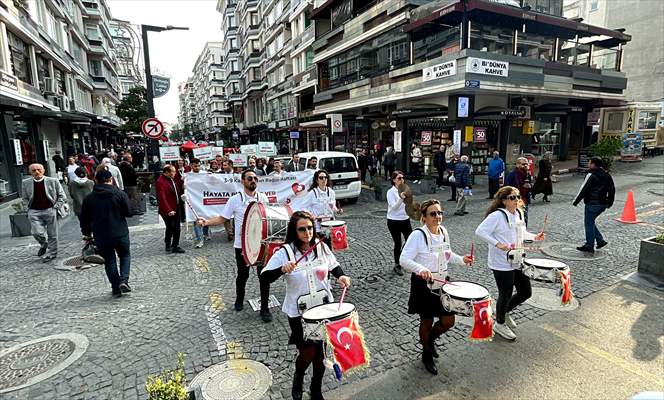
(504, 331)
(48, 258)
(199, 244)
(168, 249)
(586, 249)
(177, 249)
(125, 288)
(42, 250)
(602, 244)
(509, 321)
(266, 315)
(398, 270)
(238, 306)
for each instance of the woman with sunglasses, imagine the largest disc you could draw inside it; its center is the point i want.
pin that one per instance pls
(426, 255)
(504, 229)
(300, 237)
(398, 222)
(321, 200)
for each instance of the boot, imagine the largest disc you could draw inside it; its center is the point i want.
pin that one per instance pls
(429, 364)
(298, 380)
(317, 385)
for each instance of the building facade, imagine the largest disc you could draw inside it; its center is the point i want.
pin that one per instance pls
(58, 82)
(128, 55)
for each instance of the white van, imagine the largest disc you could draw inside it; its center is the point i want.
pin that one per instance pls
(343, 169)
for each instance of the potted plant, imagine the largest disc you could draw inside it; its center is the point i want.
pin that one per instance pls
(170, 384)
(651, 254)
(606, 149)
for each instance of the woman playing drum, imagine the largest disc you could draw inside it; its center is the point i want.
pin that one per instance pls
(426, 255)
(504, 230)
(398, 221)
(321, 200)
(300, 236)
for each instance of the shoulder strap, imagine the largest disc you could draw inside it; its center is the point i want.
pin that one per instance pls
(289, 252)
(426, 237)
(507, 218)
(445, 237)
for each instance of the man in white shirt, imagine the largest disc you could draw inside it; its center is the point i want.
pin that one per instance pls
(115, 172)
(71, 169)
(277, 168)
(235, 208)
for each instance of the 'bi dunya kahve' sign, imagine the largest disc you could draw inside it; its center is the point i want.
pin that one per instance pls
(487, 67)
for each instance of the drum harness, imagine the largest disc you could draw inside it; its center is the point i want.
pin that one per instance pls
(438, 277)
(516, 254)
(315, 297)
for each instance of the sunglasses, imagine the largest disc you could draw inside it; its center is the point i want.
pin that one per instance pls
(513, 197)
(435, 213)
(399, 178)
(322, 177)
(251, 179)
(303, 229)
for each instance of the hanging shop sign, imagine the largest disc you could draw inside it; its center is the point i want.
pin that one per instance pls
(426, 138)
(484, 66)
(462, 107)
(294, 134)
(630, 120)
(528, 127)
(397, 141)
(479, 134)
(468, 137)
(439, 71)
(18, 155)
(457, 141)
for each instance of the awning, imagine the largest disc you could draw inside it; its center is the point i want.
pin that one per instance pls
(321, 123)
(60, 115)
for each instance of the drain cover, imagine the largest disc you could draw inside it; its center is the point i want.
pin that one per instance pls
(74, 264)
(31, 362)
(568, 251)
(548, 299)
(235, 379)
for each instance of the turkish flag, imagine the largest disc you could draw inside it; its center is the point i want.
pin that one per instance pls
(339, 238)
(347, 340)
(483, 324)
(566, 294)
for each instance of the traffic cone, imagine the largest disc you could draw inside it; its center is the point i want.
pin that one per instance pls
(629, 211)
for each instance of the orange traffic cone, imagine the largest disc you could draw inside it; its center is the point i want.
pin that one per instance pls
(629, 211)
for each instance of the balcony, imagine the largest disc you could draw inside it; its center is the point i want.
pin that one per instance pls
(92, 8)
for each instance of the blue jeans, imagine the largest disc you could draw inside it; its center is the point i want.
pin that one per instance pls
(108, 249)
(199, 231)
(590, 214)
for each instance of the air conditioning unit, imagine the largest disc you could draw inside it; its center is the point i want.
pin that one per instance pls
(65, 104)
(50, 86)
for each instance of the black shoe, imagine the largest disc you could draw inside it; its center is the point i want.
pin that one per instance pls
(42, 250)
(125, 288)
(177, 249)
(429, 365)
(297, 387)
(398, 270)
(434, 351)
(238, 306)
(117, 293)
(452, 200)
(602, 244)
(266, 315)
(317, 396)
(168, 249)
(466, 212)
(586, 249)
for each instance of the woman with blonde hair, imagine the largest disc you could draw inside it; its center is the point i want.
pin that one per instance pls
(504, 230)
(426, 256)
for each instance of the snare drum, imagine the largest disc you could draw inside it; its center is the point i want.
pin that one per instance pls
(458, 296)
(263, 230)
(543, 269)
(315, 318)
(334, 234)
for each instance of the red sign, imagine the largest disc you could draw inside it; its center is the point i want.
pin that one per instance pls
(152, 128)
(426, 138)
(479, 134)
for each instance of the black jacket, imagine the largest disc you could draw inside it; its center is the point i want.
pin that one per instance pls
(439, 161)
(103, 214)
(597, 189)
(128, 172)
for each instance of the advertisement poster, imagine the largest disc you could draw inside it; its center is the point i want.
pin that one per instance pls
(204, 153)
(479, 134)
(426, 138)
(457, 141)
(468, 137)
(397, 141)
(632, 146)
(169, 153)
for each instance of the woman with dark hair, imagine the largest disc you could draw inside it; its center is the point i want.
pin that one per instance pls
(426, 255)
(300, 237)
(79, 188)
(504, 229)
(398, 222)
(321, 201)
(543, 182)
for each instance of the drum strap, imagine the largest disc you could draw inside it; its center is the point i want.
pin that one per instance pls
(427, 235)
(507, 218)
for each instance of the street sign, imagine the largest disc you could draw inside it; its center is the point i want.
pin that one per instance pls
(294, 134)
(152, 128)
(473, 84)
(160, 85)
(337, 125)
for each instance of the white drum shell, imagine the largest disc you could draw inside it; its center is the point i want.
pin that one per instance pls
(314, 326)
(543, 273)
(457, 304)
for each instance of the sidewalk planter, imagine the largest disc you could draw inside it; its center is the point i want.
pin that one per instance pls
(20, 224)
(651, 255)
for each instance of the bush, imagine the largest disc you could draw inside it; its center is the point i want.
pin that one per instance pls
(606, 149)
(169, 385)
(659, 238)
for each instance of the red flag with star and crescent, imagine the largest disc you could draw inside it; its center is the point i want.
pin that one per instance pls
(566, 294)
(483, 320)
(339, 238)
(347, 340)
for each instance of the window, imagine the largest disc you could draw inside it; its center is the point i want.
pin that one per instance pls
(594, 5)
(234, 66)
(438, 44)
(95, 68)
(614, 121)
(338, 164)
(648, 120)
(231, 21)
(492, 39)
(233, 43)
(42, 69)
(19, 58)
(532, 45)
(254, 18)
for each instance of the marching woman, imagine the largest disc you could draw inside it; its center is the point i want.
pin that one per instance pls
(300, 237)
(504, 229)
(426, 255)
(398, 222)
(321, 200)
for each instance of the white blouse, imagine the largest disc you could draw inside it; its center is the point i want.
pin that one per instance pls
(321, 203)
(418, 256)
(497, 229)
(396, 208)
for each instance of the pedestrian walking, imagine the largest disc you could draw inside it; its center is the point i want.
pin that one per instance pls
(79, 188)
(389, 162)
(362, 164)
(398, 222)
(520, 178)
(201, 233)
(277, 168)
(543, 182)
(168, 200)
(504, 229)
(426, 256)
(463, 185)
(260, 167)
(60, 166)
(373, 164)
(130, 181)
(312, 163)
(227, 166)
(495, 170)
(104, 218)
(107, 162)
(72, 166)
(181, 169)
(441, 166)
(598, 193)
(451, 166)
(321, 200)
(415, 162)
(45, 199)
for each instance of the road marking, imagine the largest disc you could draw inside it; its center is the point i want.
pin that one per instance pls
(202, 264)
(651, 212)
(625, 365)
(216, 302)
(234, 350)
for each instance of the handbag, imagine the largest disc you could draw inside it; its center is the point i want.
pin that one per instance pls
(451, 179)
(90, 253)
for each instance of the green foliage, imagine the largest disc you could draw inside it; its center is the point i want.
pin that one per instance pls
(659, 238)
(133, 110)
(606, 149)
(168, 385)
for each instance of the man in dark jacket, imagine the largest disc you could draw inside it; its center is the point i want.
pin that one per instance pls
(441, 165)
(520, 178)
(168, 199)
(462, 181)
(363, 163)
(103, 216)
(598, 193)
(129, 178)
(389, 162)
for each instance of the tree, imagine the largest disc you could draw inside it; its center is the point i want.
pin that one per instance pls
(133, 109)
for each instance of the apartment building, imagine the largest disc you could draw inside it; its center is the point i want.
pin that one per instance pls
(59, 84)
(128, 55)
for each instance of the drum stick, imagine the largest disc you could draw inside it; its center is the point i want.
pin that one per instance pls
(444, 281)
(308, 251)
(341, 300)
(546, 219)
(472, 253)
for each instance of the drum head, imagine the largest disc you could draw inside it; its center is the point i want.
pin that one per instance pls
(465, 290)
(329, 311)
(254, 229)
(545, 263)
(333, 223)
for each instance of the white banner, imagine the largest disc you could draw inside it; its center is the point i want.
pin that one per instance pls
(170, 153)
(239, 160)
(250, 149)
(209, 193)
(204, 153)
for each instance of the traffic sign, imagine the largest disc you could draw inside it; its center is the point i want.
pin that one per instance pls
(470, 83)
(152, 128)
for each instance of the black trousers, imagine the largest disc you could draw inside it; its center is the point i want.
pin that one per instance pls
(388, 171)
(494, 185)
(172, 238)
(506, 281)
(441, 177)
(398, 228)
(454, 193)
(243, 276)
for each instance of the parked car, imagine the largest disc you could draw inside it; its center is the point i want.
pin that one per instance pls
(343, 170)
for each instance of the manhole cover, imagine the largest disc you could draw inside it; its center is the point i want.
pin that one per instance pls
(568, 251)
(234, 379)
(74, 264)
(31, 362)
(548, 299)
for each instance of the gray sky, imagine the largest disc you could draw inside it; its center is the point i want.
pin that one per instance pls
(172, 52)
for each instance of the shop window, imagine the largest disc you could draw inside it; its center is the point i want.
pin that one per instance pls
(492, 39)
(614, 121)
(648, 120)
(19, 58)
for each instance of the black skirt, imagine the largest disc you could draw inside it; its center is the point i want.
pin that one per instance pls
(423, 301)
